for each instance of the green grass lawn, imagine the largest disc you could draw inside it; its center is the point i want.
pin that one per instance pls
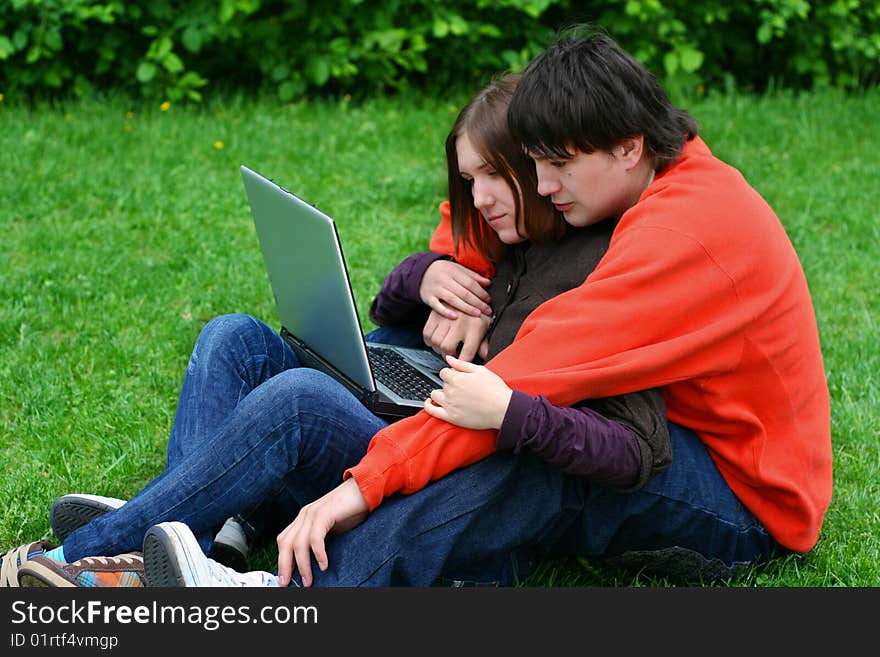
(125, 228)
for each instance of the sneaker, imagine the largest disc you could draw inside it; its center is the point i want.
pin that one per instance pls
(123, 570)
(230, 546)
(11, 562)
(172, 558)
(70, 512)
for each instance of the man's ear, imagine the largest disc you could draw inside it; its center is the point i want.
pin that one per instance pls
(630, 150)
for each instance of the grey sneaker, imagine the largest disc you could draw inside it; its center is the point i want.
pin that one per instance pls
(70, 512)
(173, 558)
(230, 546)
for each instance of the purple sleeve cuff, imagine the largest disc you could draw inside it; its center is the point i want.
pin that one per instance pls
(514, 420)
(420, 262)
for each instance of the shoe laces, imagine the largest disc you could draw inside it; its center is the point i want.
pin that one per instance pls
(131, 560)
(223, 576)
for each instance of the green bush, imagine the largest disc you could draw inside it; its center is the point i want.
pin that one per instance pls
(175, 49)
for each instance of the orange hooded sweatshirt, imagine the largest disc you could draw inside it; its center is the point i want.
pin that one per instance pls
(700, 292)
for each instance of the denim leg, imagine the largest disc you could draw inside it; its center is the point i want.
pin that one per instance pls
(469, 525)
(233, 355)
(684, 523)
(299, 423)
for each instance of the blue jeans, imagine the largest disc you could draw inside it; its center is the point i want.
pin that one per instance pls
(485, 523)
(251, 427)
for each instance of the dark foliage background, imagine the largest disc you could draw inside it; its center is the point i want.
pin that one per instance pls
(182, 49)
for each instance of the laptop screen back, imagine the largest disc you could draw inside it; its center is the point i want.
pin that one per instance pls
(308, 277)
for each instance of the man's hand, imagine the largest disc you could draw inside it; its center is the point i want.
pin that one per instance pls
(472, 396)
(341, 509)
(448, 286)
(445, 335)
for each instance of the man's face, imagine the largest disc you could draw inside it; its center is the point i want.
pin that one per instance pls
(588, 187)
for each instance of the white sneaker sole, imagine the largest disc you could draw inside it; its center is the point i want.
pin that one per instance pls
(173, 558)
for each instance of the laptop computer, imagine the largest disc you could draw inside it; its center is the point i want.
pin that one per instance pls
(316, 305)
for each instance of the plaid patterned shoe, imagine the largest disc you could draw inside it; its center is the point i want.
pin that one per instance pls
(11, 561)
(123, 570)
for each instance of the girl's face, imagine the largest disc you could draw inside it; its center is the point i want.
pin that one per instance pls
(493, 198)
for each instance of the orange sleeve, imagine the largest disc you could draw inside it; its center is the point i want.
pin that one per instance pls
(431, 449)
(443, 242)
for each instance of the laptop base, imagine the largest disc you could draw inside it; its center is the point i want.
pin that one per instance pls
(373, 401)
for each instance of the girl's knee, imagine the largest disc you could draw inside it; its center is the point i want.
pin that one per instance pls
(305, 386)
(232, 324)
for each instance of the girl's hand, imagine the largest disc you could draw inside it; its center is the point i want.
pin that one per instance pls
(448, 286)
(472, 396)
(462, 337)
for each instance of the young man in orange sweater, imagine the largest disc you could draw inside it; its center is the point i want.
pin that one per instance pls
(700, 292)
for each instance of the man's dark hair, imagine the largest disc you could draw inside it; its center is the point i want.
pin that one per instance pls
(586, 93)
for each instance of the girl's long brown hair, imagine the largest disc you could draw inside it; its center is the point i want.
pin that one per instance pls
(484, 119)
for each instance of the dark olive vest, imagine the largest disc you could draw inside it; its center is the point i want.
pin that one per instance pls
(530, 273)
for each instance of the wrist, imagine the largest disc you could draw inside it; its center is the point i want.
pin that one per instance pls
(420, 271)
(501, 410)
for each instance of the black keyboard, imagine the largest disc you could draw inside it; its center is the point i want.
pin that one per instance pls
(396, 373)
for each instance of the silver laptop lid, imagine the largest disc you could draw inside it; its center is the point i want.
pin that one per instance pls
(308, 276)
